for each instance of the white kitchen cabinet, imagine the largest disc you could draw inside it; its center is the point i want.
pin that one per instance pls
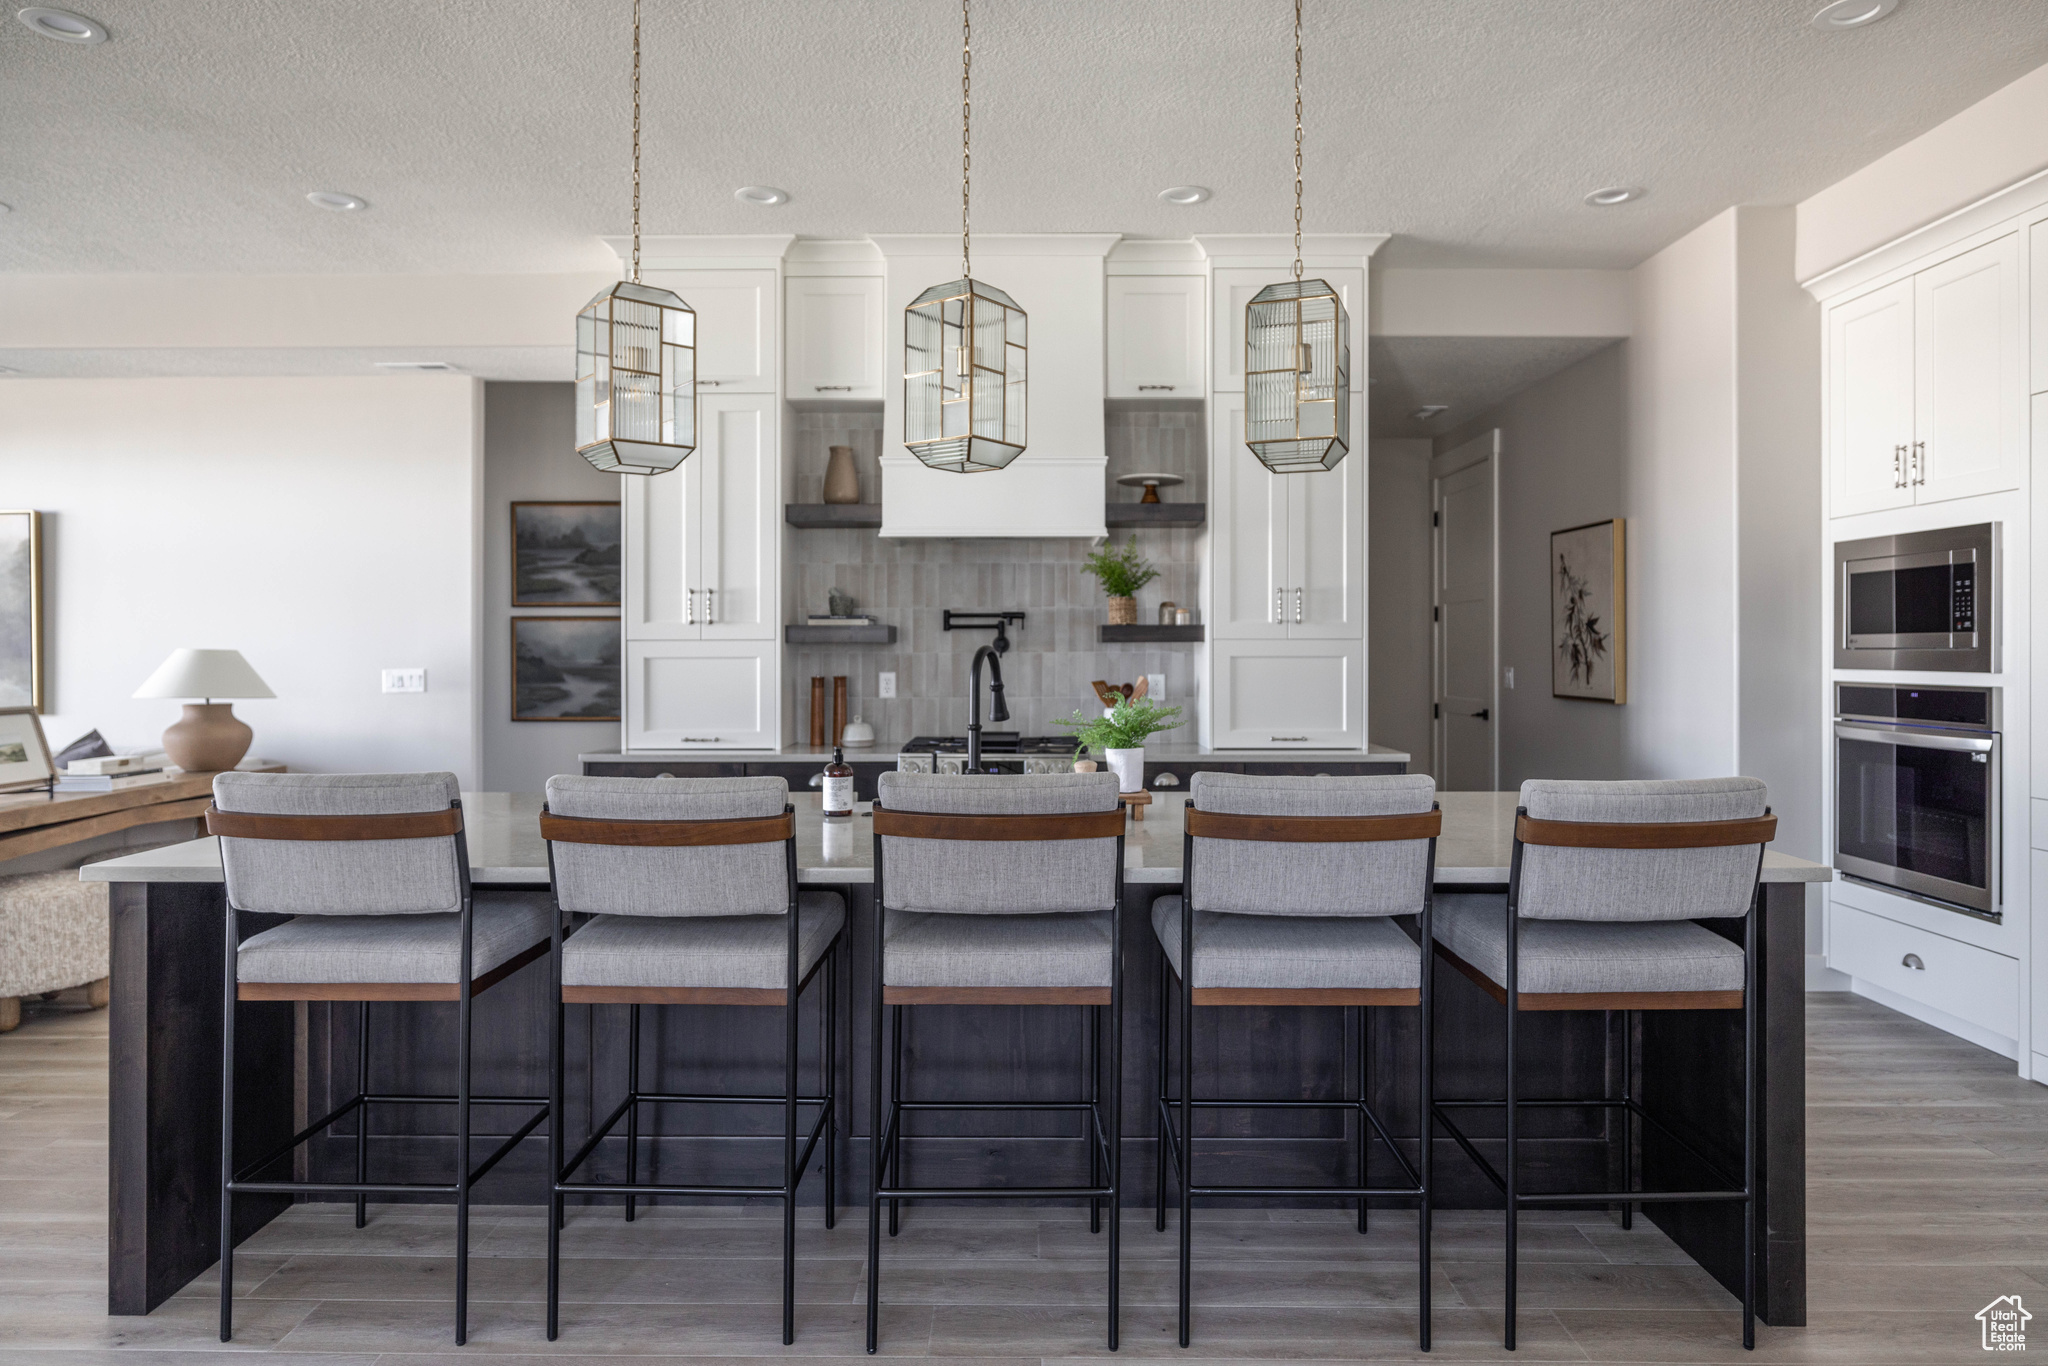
(737, 336)
(1287, 694)
(2039, 276)
(836, 330)
(1156, 341)
(702, 548)
(1925, 381)
(702, 694)
(1233, 288)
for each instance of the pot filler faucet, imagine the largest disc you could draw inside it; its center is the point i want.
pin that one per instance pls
(992, 652)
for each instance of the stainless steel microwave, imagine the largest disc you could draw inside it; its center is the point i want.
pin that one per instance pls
(1926, 600)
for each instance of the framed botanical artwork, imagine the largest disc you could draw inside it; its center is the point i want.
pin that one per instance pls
(21, 610)
(565, 554)
(24, 753)
(1588, 612)
(565, 668)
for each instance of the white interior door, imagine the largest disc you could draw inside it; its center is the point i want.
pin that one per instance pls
(664, 571)
(739, 517)
(1248, 515)
(1969, 408)
(1870, 400)
(1467, 757)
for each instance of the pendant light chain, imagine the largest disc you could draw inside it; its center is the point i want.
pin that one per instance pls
(636, 142)
(1297, 138)
(966, 126)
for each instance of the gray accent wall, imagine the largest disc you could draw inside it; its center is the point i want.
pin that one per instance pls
(1397, 586)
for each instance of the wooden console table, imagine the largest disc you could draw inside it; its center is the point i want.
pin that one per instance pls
(31, 822)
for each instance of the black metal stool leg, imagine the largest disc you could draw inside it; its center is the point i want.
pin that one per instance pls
(876, 1130)
(227, 1136)
(1512, 1166)
(1364, 1099)
(362, 1112)
(828, 1064)
(1628, 1114)
(1187, 1128)
(462, 1083)
(790, 1175)
(1093, 1032)
(895, 1151)
(632, 1106)
(1159, 1137)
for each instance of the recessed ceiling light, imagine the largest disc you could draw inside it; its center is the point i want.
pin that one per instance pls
(1430, 410)
(1852, 13)
(412, 365)
(1614, 194)
(762, 196)
(1185, 195)
(336, 201)
(62, 25)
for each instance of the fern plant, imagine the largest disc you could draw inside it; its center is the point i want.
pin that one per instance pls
(1125, 726)
(1121, 572)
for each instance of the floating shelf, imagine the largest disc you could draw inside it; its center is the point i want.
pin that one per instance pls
(832, 514)
(839, 635)
(1155, 514)
(1151, 635)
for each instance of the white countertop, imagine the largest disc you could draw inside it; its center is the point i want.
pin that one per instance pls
(505, 846)
(886, 753)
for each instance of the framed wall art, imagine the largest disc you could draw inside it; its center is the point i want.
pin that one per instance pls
(1588, 612)
(24, 753)
(21, 610)
(565, 554)
(565, 668)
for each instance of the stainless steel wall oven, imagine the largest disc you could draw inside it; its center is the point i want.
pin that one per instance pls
(1928, 600)
(1917, 792)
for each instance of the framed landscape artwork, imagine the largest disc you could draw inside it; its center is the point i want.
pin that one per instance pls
(21, 610)
(565, 554)
(565, 668)
(1588, 627)
(24, 754)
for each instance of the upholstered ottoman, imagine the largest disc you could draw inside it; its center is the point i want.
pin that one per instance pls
(53, 935)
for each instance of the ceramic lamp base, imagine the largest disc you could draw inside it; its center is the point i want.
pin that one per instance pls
(208, 739)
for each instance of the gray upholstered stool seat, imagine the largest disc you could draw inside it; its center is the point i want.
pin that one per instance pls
(1056, 950)
(696, 952)
(1291, 952)
(397, 948)
(1562, 957)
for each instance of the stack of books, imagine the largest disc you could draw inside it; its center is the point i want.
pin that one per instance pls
(108, 774)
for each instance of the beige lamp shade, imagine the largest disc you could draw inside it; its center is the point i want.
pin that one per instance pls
(209, 738)
(204, 673)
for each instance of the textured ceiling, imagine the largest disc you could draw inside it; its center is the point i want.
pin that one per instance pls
(1466, 374)
(491, 135)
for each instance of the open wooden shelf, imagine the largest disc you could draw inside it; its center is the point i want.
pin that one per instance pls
(1156, 514)
(1151, 635)
(832, 514)
(839, 635)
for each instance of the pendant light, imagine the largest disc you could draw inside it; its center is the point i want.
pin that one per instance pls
(1297, 355)
(963, 347)
(636, 359)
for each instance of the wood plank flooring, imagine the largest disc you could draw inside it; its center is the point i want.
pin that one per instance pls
(1929, 1187)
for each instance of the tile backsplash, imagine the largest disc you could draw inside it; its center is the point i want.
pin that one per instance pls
(908, 583)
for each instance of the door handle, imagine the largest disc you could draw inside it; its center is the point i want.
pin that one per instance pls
(1297, 606)
(1919, 462)
(1899, 466)
(1482, 714)
(690, 607)
(1279, 607)
(709, 618)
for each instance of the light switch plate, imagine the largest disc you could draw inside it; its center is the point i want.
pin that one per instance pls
(885, 685)
(405, 680)
(1509, 677)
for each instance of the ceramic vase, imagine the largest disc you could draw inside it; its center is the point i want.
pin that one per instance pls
(842, 483)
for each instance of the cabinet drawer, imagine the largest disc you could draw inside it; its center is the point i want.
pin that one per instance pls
(1963, 980)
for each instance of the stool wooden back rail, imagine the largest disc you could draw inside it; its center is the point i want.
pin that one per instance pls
(241, 1178)
(1104, 1138)
(1623, 835)
(693, 834)
(1176, 1141)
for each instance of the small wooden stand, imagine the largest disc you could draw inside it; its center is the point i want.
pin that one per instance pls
(1135, 803)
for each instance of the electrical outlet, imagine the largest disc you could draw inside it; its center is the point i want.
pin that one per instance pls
(885, 685)
(405, 680)
(1155, 687)
(1508, 677)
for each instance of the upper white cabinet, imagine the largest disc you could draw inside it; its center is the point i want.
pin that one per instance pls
(1157, 336)
(2040, 279)
(1234, 288)
(702, 555)
(736, 325)
(1925, 385)
(836, 335)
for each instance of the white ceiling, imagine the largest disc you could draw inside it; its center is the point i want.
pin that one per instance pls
(491, 135)
(1467, 374)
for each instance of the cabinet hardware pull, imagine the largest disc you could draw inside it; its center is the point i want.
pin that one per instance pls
(1898, 467)
(1912, 960)
(700, 739)
(690, 607)
(1297, 606)
(817, 780)
(1145, 387)
(1919, 462)
(1290, 739)
(833, 388)
(1166, 780)
(709, 383)
(709, 618)
(1279, 607)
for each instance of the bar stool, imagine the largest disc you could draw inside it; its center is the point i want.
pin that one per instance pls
(1290, 886)
(998, 890)
(1605, 884)
(690, 886)
(375, 871)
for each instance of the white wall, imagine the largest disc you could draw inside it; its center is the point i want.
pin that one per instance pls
(1397, 585)
(529, 456)
(1500, 303)
(326, 528)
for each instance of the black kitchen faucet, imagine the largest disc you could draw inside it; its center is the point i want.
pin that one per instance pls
(993, 652)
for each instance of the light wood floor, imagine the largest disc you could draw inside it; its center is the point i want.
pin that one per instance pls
(1929, 1186)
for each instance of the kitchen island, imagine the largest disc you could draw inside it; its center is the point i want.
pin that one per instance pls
(295, 1061)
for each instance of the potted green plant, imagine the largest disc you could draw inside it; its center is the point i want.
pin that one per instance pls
(1122, 573)
(1119, 735)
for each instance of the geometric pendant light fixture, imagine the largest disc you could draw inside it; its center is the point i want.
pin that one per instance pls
(964, 349)
(1297, 355)
(636, 359)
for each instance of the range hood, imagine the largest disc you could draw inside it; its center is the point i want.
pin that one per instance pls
(1056, 488)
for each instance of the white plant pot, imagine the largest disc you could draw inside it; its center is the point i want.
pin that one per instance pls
(1129, 767)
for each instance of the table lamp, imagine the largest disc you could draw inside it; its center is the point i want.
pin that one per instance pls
(209, 738)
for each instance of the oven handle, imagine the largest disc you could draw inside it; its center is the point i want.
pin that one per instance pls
(1917, 739)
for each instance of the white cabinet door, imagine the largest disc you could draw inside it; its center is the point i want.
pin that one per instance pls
(1969, 404)
(835, 337)
(1291, 694)
(739, 516)
(736, 331)
(1234, 287)
(1248, 515)
(663, 553)
(1325, 598)
(2039, 275)
(1870, 400)
(1157, 338)
(702, 694)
